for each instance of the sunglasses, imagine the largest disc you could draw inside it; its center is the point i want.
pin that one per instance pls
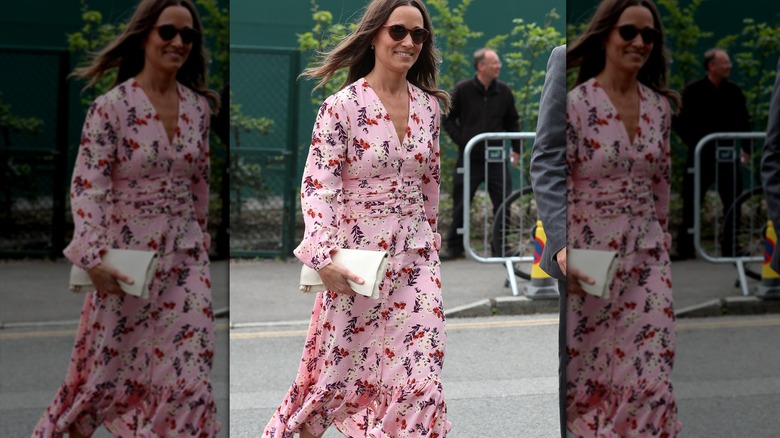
(398, 32)
(628, 32)
(168, 32)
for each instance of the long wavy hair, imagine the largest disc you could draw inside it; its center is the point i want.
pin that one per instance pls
(587, 52)
(355, 53)
(126, 52)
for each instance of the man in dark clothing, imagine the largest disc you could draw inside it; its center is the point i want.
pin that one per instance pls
(712, 104)
(480, 104)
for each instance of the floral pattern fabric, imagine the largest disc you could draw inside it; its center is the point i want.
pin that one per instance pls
(141, 367)
(372, 367)
(621, 349)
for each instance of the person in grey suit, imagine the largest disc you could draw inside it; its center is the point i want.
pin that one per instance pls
(548, 178)
(770, 165)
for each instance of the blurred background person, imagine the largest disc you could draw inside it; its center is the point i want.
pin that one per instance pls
(141, 181)
(618, 123)
(712, 104)
(480, 104)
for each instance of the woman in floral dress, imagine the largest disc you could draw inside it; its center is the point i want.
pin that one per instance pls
(371, 181)
(142, 367)
(621, 349)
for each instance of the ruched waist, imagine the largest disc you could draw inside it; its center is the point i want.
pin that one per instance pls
(382, 197)
(613, 197)
(153, 197)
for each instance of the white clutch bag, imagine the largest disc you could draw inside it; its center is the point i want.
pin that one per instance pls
(138, 265)
(597, 264)
(370, 265)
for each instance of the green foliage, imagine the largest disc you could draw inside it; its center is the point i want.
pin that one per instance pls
(452, 38)
(10, 122)
(245, 178)
(324, 36)
(216, 27)
(530, 45)
(683, 36)
(18, 177)
(757, 46)
(93, 36)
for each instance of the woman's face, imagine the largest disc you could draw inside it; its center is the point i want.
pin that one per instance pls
(168, 56)
(630, 55)
(398, 56)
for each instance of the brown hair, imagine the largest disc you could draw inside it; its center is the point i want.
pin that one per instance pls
(126, 54)
(354, 52)
(587, 51)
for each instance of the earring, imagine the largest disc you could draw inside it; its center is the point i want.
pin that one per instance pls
(372, 47)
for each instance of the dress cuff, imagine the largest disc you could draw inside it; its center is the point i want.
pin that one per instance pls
(315, 249)
(85, 253)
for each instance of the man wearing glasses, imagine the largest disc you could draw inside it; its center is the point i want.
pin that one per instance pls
(480, 104)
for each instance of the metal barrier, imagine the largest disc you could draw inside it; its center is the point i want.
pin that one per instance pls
(492, 154)
(726, 154)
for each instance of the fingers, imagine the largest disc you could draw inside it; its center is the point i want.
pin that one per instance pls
(573, 279)
(335, 277)
(105, 277)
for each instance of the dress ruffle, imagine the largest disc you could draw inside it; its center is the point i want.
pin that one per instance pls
(120, 409)
(602, 413)
(364, 411)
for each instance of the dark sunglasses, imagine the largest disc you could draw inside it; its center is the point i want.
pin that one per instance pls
(628, 32)
(398, 32)
(168, 32)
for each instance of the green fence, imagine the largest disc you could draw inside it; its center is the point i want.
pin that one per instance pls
(34, 165)
(264, 180)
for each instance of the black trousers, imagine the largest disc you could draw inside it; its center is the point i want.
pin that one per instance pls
(499, 186)
(729, 186)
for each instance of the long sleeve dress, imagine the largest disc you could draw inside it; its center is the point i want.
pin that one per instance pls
(141, 367)
(621, 349)
(372, 366)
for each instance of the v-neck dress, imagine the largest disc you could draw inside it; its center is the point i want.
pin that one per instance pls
(141, 367)
(372, 367)
(620, 349)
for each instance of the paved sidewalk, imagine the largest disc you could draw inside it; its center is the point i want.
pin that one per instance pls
(267, 291)
(35, 292)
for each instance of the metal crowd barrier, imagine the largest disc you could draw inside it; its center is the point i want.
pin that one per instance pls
(493, 154)
(724, 154)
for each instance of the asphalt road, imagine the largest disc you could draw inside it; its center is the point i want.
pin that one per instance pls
(500, 376)
(34, 362)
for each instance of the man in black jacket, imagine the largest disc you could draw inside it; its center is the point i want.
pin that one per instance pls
(712, 104)
(480, 104)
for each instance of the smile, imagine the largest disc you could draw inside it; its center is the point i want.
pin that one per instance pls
(405, 54)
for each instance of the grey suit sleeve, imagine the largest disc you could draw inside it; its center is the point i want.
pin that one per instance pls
(548, 161)
(770, 164)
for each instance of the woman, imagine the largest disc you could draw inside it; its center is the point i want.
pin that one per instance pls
(621, 349)
(141, 367)
(372, 182)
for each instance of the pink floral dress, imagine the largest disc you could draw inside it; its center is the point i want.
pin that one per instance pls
(372, 366)
(141, 367)
(621, 349)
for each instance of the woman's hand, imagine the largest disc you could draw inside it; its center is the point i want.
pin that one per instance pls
(334, 276)
(105, 278)
(574, 275)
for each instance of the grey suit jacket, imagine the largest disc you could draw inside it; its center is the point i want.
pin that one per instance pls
(548, 161)
(770, 165)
